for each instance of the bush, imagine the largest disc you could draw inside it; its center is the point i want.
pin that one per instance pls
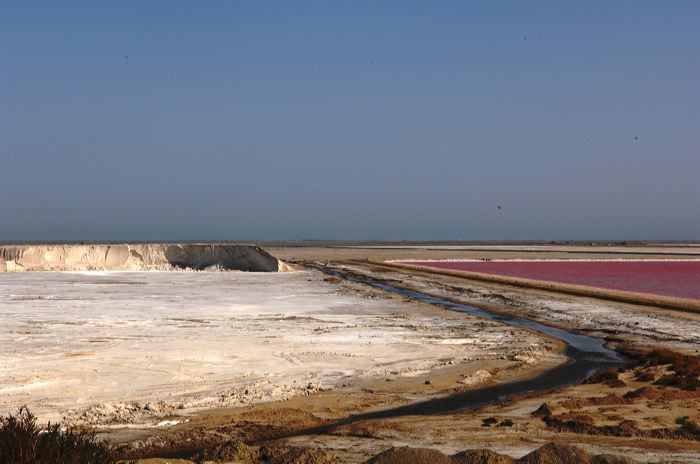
(684, 368)
(688, 425)
(681, 364)
(23, 442)
(489, 421)
(604, 375)
(684, 382)
(506, 423)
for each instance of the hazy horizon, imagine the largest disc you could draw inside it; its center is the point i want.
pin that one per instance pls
(259, 121)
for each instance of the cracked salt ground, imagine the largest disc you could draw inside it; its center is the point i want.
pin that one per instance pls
(166, 344)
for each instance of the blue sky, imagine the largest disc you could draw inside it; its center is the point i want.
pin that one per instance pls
(349, 120)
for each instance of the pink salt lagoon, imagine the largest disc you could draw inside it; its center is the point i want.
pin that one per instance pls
(679, 279)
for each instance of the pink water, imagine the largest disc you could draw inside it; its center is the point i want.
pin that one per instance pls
(679, 279)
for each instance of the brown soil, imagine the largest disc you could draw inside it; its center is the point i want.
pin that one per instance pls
(660, 393)
(556, 453)
(612, 459)
(406, 455)
(481, 456)
(231, 450)
(640, 415)
(305, 456)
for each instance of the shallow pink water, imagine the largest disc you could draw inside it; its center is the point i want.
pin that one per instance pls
(679, 279)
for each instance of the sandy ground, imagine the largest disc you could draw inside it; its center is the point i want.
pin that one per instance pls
(514, 430)
(456, 432)
(151, 347)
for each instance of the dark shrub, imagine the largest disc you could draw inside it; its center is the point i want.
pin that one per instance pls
(688, 425)
(683, 369)
(604, 375)
(681, 364)
(506, 423)
(684, 382)
(23, 442)
(489, 421)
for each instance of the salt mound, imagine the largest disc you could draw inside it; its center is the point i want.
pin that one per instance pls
(137, 257)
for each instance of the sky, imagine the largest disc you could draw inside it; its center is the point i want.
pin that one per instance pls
(404, 120)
